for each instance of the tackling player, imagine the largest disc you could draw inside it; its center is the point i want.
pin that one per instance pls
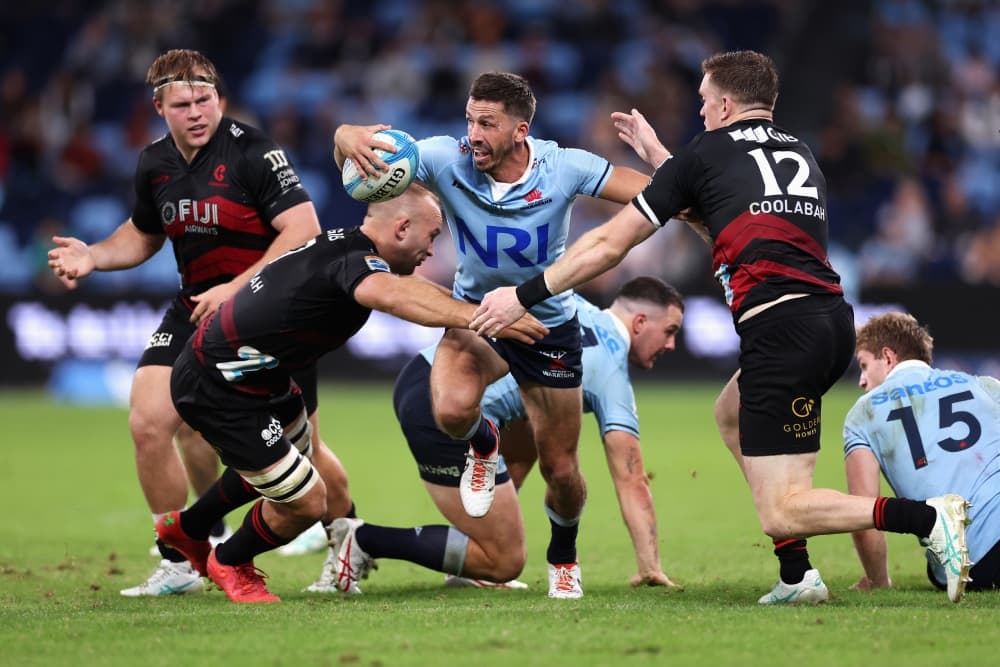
(233, 379)
(230, 201)
(762, 198)
(641, 324)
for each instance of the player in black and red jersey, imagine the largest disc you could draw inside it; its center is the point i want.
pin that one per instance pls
(762, 201)
(233, 380)
(229, 201)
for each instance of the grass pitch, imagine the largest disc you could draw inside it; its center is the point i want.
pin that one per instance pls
(74, 530)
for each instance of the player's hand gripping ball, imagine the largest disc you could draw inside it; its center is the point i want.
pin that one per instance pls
(388, 184)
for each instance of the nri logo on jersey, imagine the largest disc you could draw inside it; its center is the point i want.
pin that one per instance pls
(198, 217)
(524, 248)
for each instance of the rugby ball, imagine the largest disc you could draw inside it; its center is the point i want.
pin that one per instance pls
(388, 184)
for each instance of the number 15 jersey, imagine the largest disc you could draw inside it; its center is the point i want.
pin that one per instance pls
(933, 432)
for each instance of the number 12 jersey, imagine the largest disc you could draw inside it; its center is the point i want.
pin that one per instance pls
(762, 199)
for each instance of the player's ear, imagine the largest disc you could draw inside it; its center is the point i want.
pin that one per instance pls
(158, 105)
(401, 227)
(638, 322)
(521, 130)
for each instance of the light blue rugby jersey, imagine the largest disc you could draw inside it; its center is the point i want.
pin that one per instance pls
(607, 389)
(933, 432)
(505, 241)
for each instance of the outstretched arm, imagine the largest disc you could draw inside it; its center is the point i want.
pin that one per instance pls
(636, 501)
(423, 302)
(73, 259)
(863, 480)
(593, 253)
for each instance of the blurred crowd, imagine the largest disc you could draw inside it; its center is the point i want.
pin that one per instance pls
(899, 99)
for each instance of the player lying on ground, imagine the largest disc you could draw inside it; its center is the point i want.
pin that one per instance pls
(640, 325)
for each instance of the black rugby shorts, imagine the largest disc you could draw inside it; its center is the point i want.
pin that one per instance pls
(246, 430)
(166, 343)
(790, 355)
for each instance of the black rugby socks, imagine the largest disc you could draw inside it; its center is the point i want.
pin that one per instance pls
(901, 515)
(793, 557)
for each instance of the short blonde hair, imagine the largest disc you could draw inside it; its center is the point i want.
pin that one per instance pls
(181, 65)
(899, 332)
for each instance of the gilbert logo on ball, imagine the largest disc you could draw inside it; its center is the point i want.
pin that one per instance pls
(388, 184)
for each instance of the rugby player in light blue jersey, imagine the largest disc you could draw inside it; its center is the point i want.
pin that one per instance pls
(930, 431)
(641, 324)
(507, 198)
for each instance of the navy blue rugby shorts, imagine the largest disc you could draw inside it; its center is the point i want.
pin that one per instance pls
(439, 458)
(554, 361)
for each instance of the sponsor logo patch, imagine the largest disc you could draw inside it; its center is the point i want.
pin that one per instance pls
(558, 367)
(219, 177)
(160, 339)
(272, 433)
(376, 263)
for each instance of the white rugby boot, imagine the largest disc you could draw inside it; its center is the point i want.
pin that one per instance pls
(947, 544)
(565, 582)
(352, 563)
(168, 578)
(811, 590)
(478, 483)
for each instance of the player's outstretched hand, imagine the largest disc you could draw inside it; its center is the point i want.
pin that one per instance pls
(70, 260)
(525, 330)
(499, 309)
(635, 130)
(356, 144)
(209, 301)
(654, 579)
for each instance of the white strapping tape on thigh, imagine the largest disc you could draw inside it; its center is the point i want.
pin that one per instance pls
(289, 480)
(299, 433)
